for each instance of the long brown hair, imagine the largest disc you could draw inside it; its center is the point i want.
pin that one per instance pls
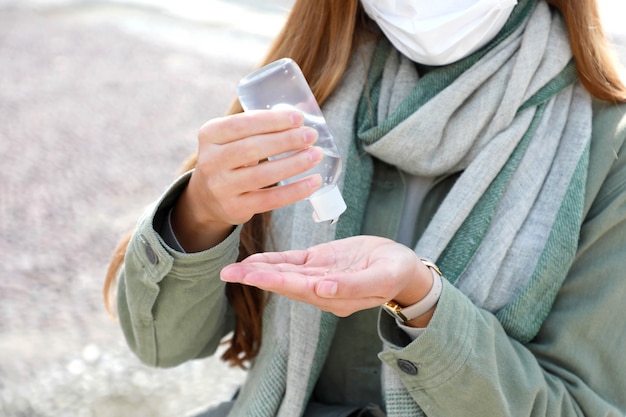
(321, 35)
(597, 64)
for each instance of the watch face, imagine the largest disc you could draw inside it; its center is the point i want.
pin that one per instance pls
(394, 310)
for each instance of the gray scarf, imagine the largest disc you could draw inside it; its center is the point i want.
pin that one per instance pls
(515, 123)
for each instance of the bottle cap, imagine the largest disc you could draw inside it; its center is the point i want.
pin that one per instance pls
(327, 204)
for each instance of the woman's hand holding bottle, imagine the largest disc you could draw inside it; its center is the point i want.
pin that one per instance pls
(230, 185)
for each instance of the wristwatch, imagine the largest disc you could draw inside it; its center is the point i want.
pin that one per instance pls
(404, 314)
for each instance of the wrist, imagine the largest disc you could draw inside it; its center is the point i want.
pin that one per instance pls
(417, 311)
(423, 320)
(420, 283)
(192, 232)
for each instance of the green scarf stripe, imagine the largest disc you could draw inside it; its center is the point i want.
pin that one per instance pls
(266, 400)
(553, 264)
(457, 255)
(358, 177)
(367, 127)
(434, 80)
(464, 244)
(439, 78)
(355, 191)
(328, 324)
(566, 77)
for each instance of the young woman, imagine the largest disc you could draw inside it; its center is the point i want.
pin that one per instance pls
(486, 136)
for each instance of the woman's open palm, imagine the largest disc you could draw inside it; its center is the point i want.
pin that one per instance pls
(342, 276)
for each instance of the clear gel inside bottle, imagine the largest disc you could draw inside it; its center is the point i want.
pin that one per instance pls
(281, 85)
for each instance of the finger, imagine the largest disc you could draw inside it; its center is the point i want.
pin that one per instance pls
(294, 257)
(250, 150)
(259, 263)
(346, 307)
(249, 184)
(226, 129)
(362, 284)
(265, 200)
(239, 208)
(321, 257)
(287, 280)
(272, 172)
(280, 278)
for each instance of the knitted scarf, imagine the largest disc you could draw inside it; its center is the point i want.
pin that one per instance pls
(513, 120)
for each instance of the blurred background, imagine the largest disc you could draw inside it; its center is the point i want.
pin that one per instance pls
(100, 101)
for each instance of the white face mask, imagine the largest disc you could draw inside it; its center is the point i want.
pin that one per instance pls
(439, 32)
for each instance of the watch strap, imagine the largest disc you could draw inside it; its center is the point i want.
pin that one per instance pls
(408, 313)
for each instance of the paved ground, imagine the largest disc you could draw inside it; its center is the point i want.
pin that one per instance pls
(99, 103)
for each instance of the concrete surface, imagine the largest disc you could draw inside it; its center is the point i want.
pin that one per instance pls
(99, 104)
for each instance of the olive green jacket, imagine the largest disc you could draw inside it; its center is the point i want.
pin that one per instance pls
(172, 309)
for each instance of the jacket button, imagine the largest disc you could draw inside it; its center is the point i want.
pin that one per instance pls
(151, 255)
(407, 367)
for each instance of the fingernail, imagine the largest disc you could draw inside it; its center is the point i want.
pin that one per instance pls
(315, 153)
(327, 288)
(227, 275)
(310, 135)
(297, 118)
(314, 181)
(224, 276)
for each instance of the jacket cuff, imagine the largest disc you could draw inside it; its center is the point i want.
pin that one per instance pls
(161, 259)
(440, 351)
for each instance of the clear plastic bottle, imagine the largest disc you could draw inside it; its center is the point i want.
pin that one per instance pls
(281, 85)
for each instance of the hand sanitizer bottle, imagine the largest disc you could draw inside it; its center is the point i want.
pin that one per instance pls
(281, 85)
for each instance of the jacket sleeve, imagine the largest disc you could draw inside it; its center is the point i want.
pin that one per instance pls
(465, 364)
(172, 305)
